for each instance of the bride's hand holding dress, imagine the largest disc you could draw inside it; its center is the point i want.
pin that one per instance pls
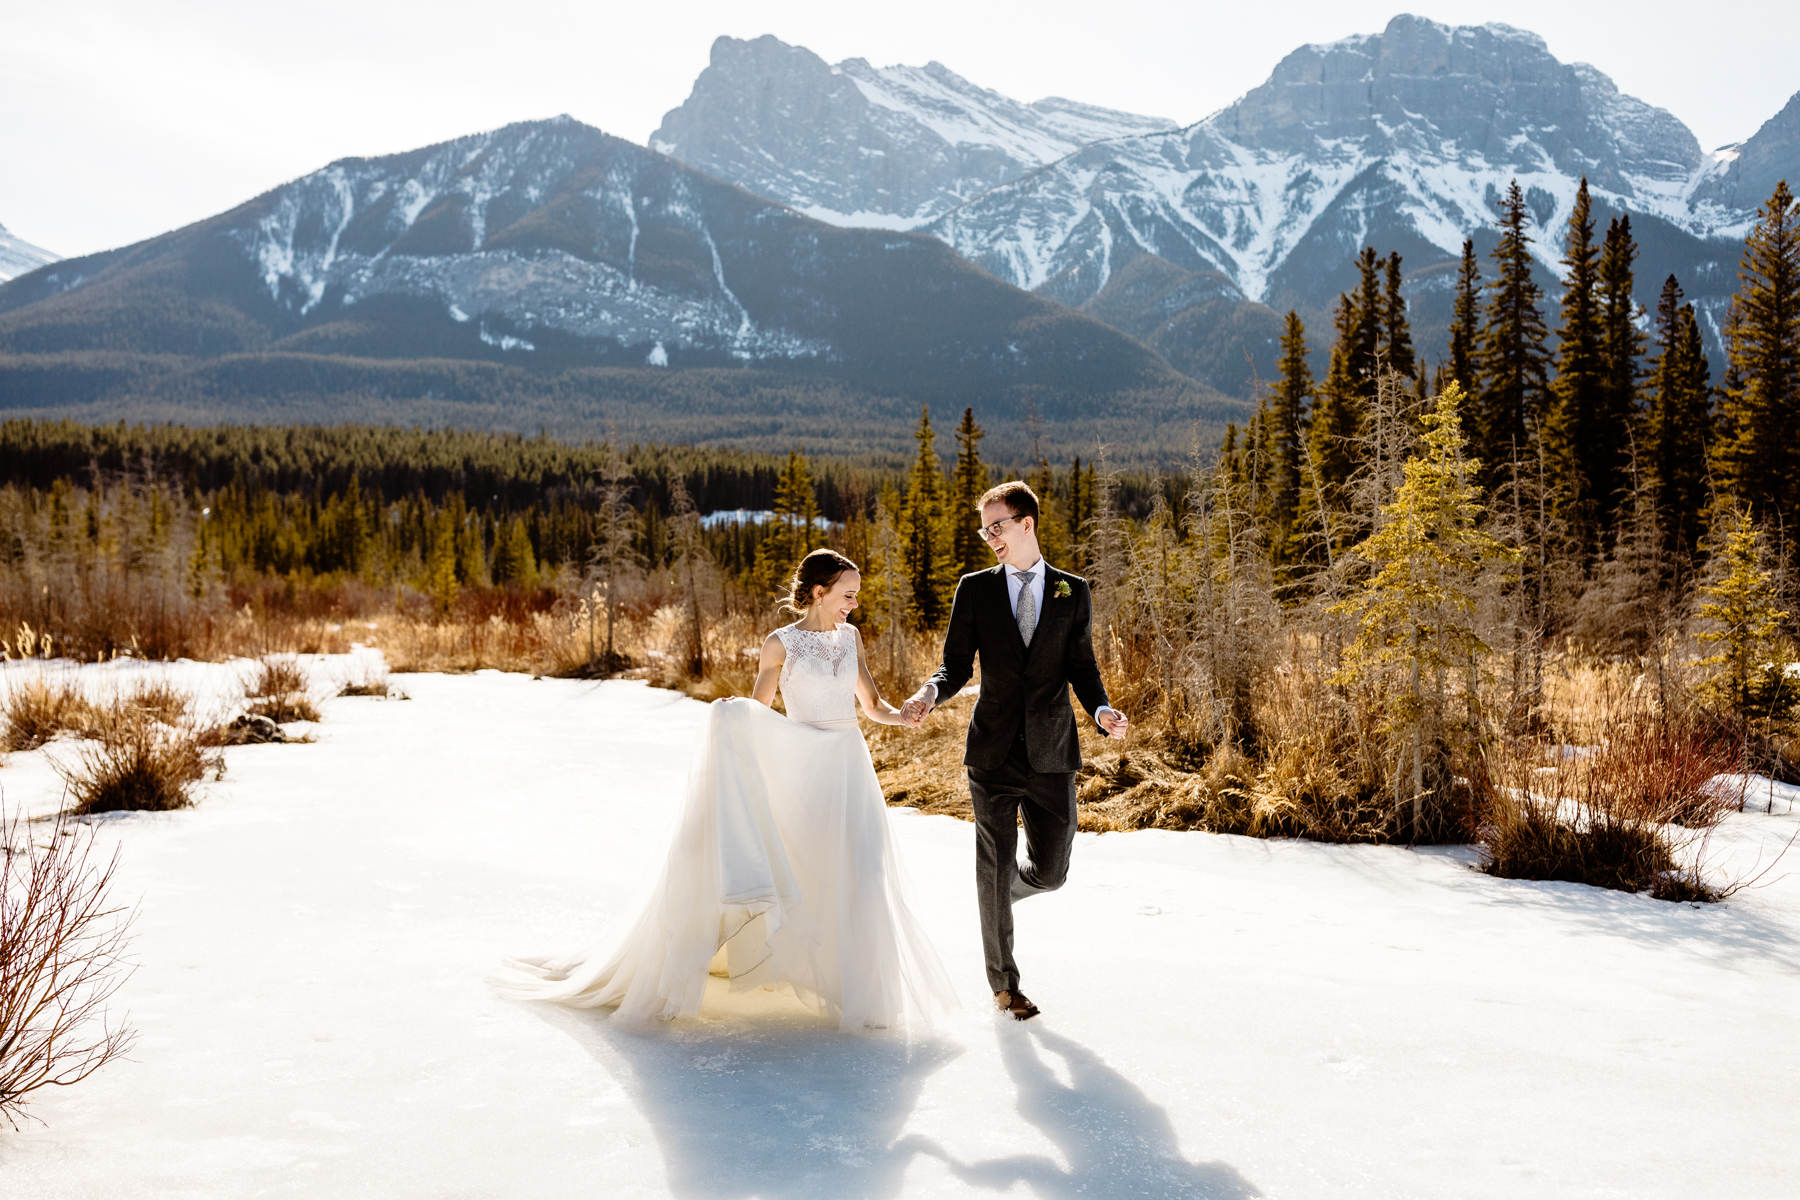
(782, 870)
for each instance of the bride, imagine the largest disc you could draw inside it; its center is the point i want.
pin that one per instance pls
(781, 871)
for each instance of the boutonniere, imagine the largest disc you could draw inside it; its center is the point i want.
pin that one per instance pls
(1061, 591)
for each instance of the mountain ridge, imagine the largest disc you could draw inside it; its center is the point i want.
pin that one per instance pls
(552, 248)
(1404, 139)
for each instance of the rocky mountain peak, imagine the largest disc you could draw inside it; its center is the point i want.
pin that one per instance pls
(1744, 175)
(1491, 90)
(857, 144)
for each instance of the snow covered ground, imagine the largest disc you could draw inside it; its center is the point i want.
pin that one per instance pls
(1224, 1017)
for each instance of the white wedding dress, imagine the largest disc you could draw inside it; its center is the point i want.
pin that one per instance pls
(782, 871)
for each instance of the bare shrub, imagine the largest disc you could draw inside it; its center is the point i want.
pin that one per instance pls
(136, 764)
(161, 700)
(278, 689)
(36, 711)
(1619, 816)
(371, 682)
(62, 944)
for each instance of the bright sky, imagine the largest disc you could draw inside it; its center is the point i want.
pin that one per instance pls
(121, 119)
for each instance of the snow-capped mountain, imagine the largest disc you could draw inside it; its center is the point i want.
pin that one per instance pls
(1193, 239)
(860, 145)
(551, 246)
(1742, 176)
(18, 256)
(1402, 139)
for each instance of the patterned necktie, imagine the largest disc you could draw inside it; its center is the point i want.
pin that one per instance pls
(1027, 606)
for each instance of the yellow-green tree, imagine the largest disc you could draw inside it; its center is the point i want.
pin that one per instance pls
(1748, 675)
(1415, 615)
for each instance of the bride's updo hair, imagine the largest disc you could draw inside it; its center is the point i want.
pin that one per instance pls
(821, 568)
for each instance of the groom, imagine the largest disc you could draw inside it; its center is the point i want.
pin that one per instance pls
(1029, 623)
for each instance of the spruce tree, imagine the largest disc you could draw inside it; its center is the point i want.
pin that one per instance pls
(1464, 322)
(796, 509)
(1570, 428)
(925, 536)
(1397, 344)
(1415, 614)
(1621, 346)
(1340, 412)
(515, 563)
(1287, 401)
(1677, 425)
(970, 481)
(440, 564)
(1748, 675)
(1511, 358)
(1758, 460)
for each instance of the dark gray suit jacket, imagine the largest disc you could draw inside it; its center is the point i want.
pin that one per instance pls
(1020, 687)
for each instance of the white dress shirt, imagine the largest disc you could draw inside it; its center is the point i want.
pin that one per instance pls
(1014, 588)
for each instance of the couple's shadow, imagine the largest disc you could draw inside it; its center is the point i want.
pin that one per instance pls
(777, 1105)
(1115, 1140)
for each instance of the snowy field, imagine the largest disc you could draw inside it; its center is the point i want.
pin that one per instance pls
(1224, 1017)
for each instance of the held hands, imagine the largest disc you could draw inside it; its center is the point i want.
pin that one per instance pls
(917, 706)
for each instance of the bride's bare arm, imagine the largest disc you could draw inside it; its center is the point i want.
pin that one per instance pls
(768, 671)
(879, 710)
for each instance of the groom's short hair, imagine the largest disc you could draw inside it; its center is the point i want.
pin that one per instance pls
(1016, 494)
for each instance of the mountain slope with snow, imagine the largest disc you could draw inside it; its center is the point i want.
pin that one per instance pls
(1195, 239)
(1403, 140)
(19, 257)
(550, 245)
(856, 144)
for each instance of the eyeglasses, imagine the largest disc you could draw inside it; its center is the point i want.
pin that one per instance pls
(990, 532)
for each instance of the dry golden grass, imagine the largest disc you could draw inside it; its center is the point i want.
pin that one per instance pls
(161, 700)
(35, 711)
(136, 763)
(278, 689)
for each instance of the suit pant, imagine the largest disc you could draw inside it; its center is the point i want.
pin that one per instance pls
(1004, 797)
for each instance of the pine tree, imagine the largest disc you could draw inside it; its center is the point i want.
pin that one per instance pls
(1677, 425)
(1287, 401)
(1340, 413)
(1571, 426)
(929, 566)
(515, 562)
(1415, 613)
(440, 564)
(970, 481)
(1511, 358)
(1758, 460)
(1748, 675)
(1464, 319)
(1621, 346)
(1396, 336)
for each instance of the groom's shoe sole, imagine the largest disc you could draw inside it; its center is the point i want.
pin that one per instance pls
(1016, 1004)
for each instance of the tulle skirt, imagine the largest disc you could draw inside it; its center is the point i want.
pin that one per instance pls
(782, 873)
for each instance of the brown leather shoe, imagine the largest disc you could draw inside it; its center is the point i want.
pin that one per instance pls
(1015, 1003)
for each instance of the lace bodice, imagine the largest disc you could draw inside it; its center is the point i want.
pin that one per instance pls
(818, 676)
